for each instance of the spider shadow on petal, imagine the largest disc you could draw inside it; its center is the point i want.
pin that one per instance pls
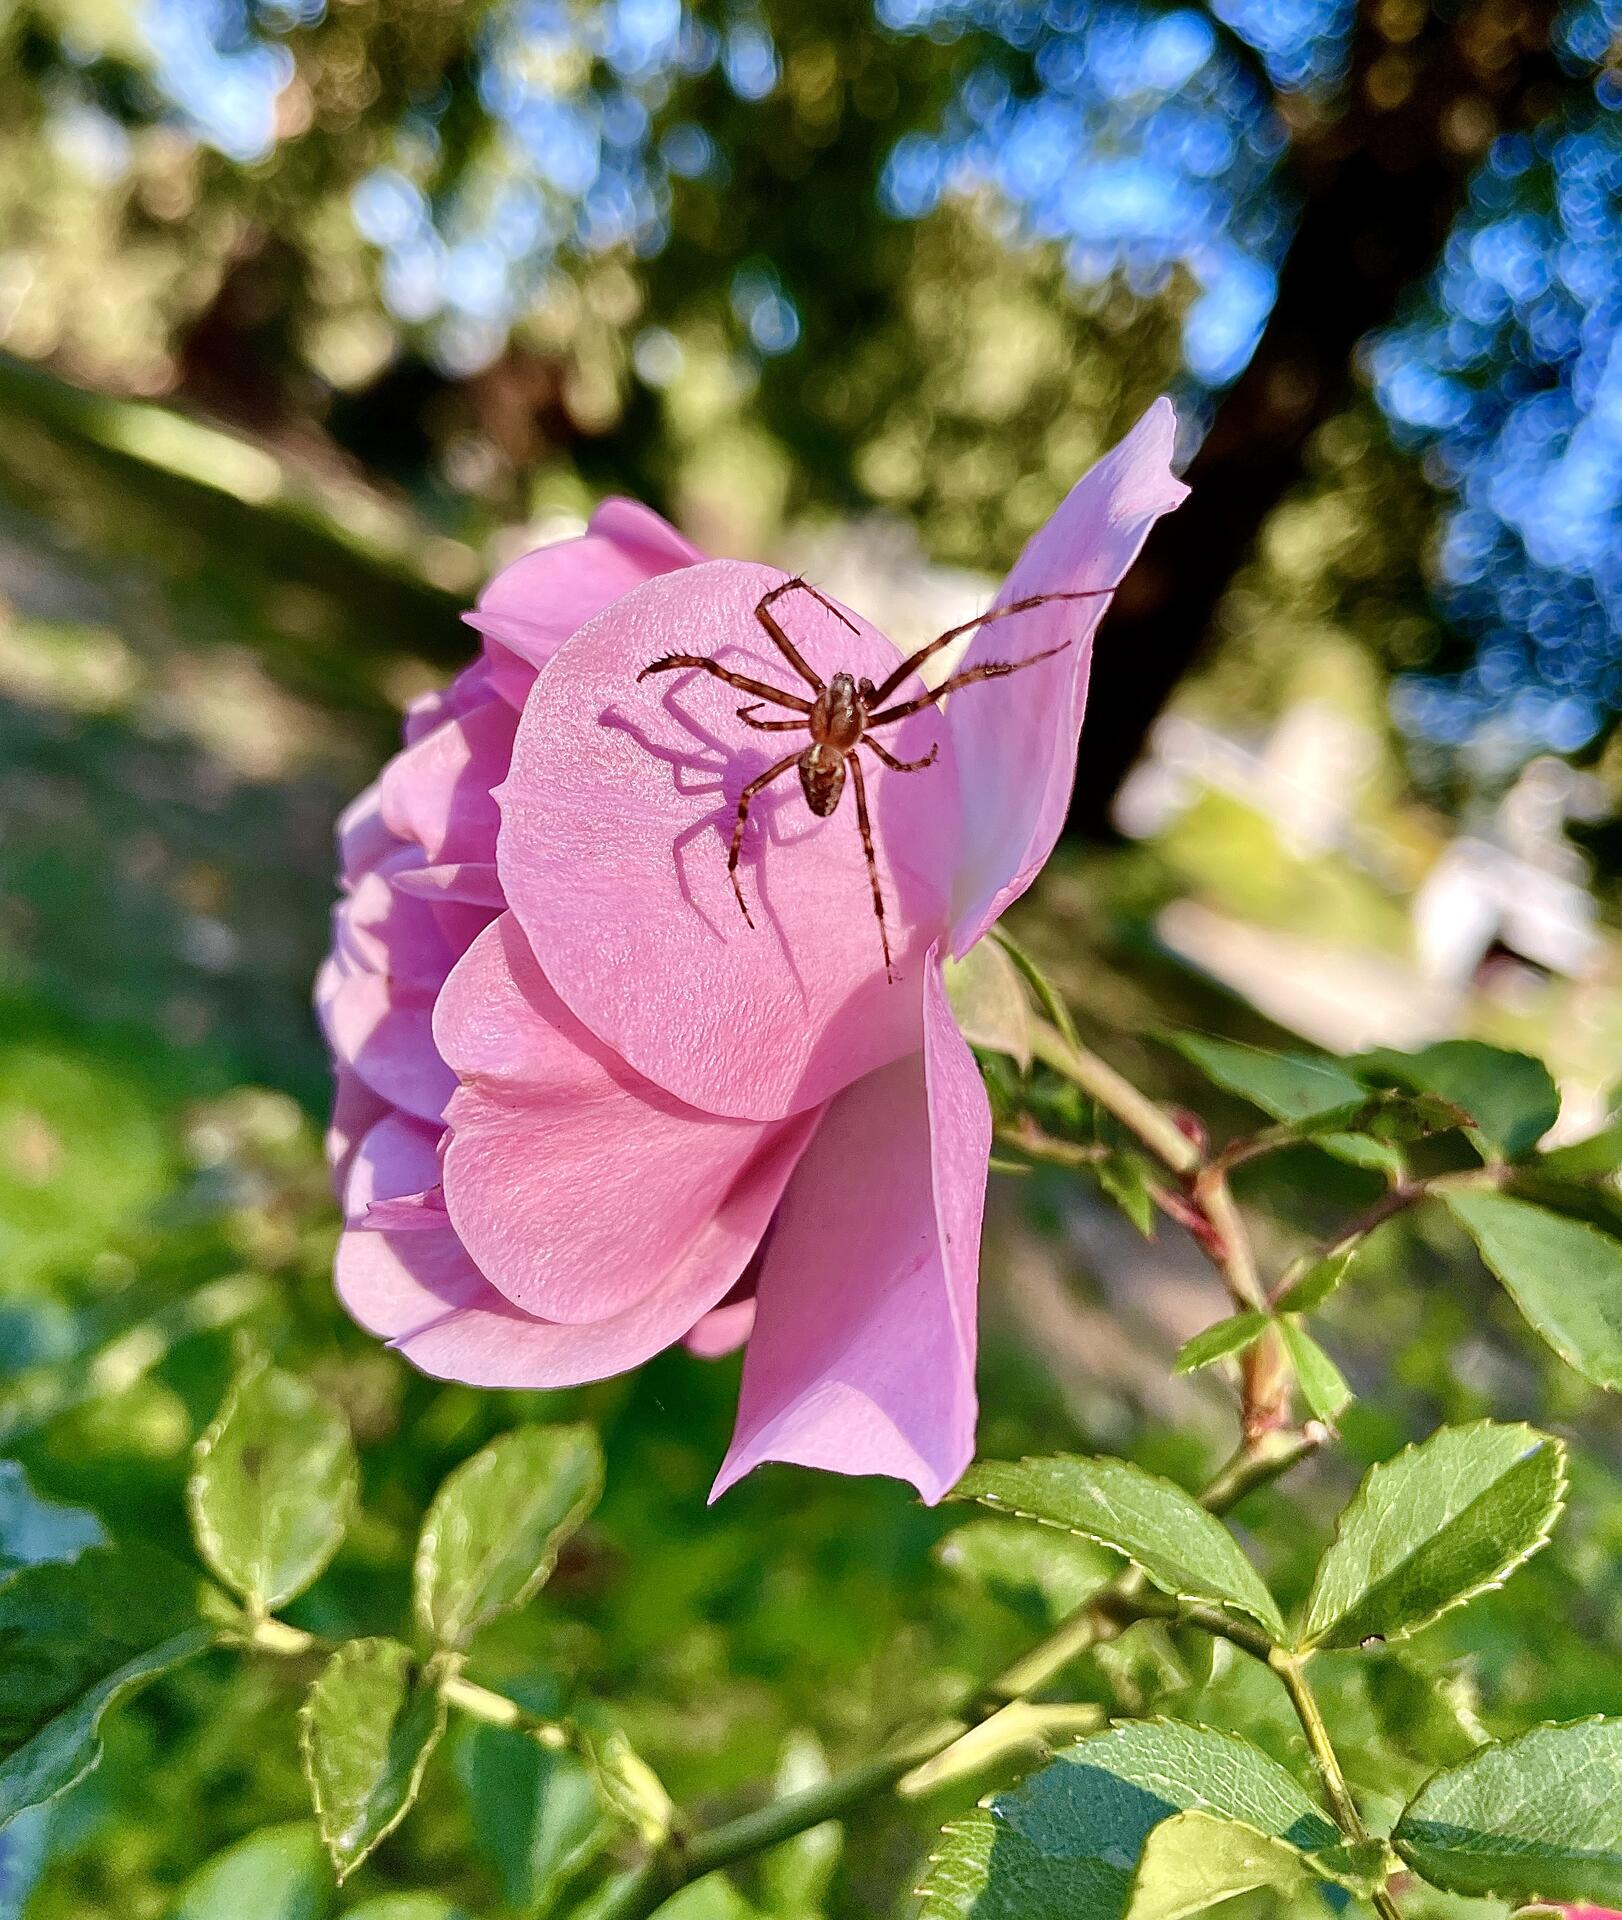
(723, 768)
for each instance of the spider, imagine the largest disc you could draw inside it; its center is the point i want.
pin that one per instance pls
(842, 716)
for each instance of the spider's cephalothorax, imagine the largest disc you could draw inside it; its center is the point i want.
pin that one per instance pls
(843, 716)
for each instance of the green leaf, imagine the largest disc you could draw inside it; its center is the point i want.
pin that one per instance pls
(1128, 1179)
(407, 1906)
(1323, 1385)
(989, 1001)
(1181, 1548)
(1565, 1276)
(1364, 1150)
(367, 1729)
(534, 1813)
(275, 1874)
(272, 1487)
(1308, 1286)
(495, 1528)
(1042, 1574)
(1433, 1527)
(1302, 1090)
(76, 1637)
(1428, 1712)
(1230, 1336)
(1067, 1842)
(631, 1789)
(1511, 1098)
(1194, 1860)
(1536, 1818)
(34, 1531)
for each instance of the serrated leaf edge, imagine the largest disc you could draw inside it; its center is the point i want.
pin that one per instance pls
(1260, 1322)
(1119, 1728)
(435, 1671)
(1557, 1507)
(1560, 1347)
(1274, 1628)
(428, 1540)
(1502, 1746)
(208, 1539)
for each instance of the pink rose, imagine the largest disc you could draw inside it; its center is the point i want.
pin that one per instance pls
(584, 1110)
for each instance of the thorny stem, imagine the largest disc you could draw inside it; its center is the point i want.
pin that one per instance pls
(904, 1768)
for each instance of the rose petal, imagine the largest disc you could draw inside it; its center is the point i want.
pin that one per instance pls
(1016, 739)
(722, 1330)
(616, 821)
(533, 606)
(422, 1291)
(438, 792)
(364, 839)
(385, 1034)
(862, 1355)
(576, 1185)
(472, 882)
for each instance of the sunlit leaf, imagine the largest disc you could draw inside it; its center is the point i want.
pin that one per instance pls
(1433, 1527)
(1068, 1842)
(1296, 1088)
(1308, 1286)
(1323, 1385)
(493, 1533)
(272, 1486)
(1040, 1572)
(1194, 1860)
(1182, 1549)
(278, 1873)
(1511, 1098)
(1536, 1818)
(1230, 1336)
(367, 1730)
(1565, 1276)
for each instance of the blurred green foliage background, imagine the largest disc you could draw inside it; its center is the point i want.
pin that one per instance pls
(310, 316)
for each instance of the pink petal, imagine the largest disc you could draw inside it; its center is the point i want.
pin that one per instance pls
(616, 819)
(1016, 739)
(532, 607)
(421, 1290)
(385, 1035)
(364, 838)
(577, 1186)
(472, 882)
(862, 1355)
(722, 1330)
(356, 1109)
(438, 792)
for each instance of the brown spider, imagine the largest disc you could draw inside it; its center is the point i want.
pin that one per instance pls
(843, 716)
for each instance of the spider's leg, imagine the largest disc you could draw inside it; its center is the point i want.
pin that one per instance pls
(673, 661)
(768, 726)
(863, 822)
(760, 780)
(992, 670)
(784, 645)
(915, 660)
(902, 766)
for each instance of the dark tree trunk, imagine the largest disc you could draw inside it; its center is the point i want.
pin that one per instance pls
(1380, 185)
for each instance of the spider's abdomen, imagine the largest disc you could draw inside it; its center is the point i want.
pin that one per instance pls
(822, 778)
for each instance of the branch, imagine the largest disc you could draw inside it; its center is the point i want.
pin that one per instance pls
(642, 1890)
